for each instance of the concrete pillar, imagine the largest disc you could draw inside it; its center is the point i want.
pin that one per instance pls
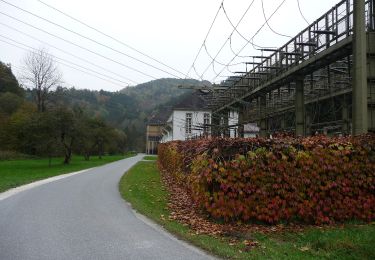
(300, 108)
(226, 130)
(345, 116)
(359, 69)
(282, 123)
(308, 125)
(215, 122)
(240, 122)
(263, 116)
(371, 77)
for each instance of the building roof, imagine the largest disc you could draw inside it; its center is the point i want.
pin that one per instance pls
(160, 117)
(194, 102)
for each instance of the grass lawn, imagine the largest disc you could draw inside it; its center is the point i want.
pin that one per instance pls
(15, 173)
(150, 158)
(142, 187)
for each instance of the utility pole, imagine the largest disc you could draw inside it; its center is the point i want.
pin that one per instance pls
(360, 69)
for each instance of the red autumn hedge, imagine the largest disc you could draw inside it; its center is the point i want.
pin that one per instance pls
(311, 180)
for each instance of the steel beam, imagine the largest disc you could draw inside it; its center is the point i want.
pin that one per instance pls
(359, 69)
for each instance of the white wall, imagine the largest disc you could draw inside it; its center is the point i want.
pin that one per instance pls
(233, 119)
(179, 119)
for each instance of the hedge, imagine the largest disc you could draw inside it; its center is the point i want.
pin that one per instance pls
(314, 180)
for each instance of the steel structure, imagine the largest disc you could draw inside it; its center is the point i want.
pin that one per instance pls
(321, 80)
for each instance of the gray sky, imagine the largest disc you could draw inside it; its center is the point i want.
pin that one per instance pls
(170, 31)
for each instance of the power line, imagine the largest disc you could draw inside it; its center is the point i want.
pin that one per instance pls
(63, 63)
(222, 47)
(110, 37)
(235, 27)
(88, 38)
(68, 53)
(265, 18)
(77, 45)
(205, 38)
(252, 38)
(300, 11)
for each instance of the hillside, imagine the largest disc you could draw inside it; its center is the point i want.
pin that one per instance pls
(128, 109)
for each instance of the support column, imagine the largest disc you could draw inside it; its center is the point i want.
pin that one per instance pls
(359, 69)
(345, 116)
(226, 131)
(215, 125)
(263, 114)
(240, 122)
(282, 123)
(308, 125)
(300, 108)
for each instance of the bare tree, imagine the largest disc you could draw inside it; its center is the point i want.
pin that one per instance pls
(41, 74)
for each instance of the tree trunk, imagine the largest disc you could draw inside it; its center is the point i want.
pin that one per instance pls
(68, 155)
(49, 161)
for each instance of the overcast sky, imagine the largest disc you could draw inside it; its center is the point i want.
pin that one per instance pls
(169, 31)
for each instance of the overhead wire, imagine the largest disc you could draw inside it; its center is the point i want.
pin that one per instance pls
(252, 38)
(255, 46)
(205, 38)
(88, 38)
(300, 11)
(68, 53)
(265, 18)
(110, 37)
(77, 45)
(62, 62)
(223, 45)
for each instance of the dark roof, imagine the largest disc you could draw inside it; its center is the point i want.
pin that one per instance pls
(160, 117)
(194, 101)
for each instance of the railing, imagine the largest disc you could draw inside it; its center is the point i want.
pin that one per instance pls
(331, 28)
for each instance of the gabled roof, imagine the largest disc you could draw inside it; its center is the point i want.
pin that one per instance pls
(192, 102)
(161, 117)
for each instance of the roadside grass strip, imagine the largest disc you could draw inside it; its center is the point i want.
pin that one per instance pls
(14, 173)
(150, 158)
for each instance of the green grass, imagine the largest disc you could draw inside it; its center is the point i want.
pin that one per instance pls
(150, 158)
(142, 187)
(14, 173)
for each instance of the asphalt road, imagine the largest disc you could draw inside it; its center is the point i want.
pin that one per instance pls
(83, 217)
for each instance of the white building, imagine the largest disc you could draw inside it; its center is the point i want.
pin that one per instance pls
(233, 120)
(251, 130)
(189, 119)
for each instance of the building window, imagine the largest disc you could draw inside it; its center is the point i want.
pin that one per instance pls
(206, 123)
(188, 123)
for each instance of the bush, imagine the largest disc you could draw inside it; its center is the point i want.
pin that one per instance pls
(12, 155)
(312, 180)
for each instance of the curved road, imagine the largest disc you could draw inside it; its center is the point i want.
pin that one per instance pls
(83, 217)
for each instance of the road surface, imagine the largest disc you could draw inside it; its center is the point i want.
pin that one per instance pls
(83, 217)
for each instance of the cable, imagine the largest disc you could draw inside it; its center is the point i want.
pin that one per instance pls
(235, 27)
(79, 46)
(209, 55)
(59, 49)
(90, 39)
(265, 18)
(222, 47)
(300, 11)
(200, 49)
(110, 37)
(62, 63)
(252, 38)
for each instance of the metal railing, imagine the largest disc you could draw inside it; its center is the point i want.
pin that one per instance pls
(331, 28)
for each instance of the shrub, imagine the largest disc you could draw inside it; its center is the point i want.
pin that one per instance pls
(312, 180)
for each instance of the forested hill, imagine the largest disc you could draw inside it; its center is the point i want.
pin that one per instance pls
(157, 92)
(128, 109)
